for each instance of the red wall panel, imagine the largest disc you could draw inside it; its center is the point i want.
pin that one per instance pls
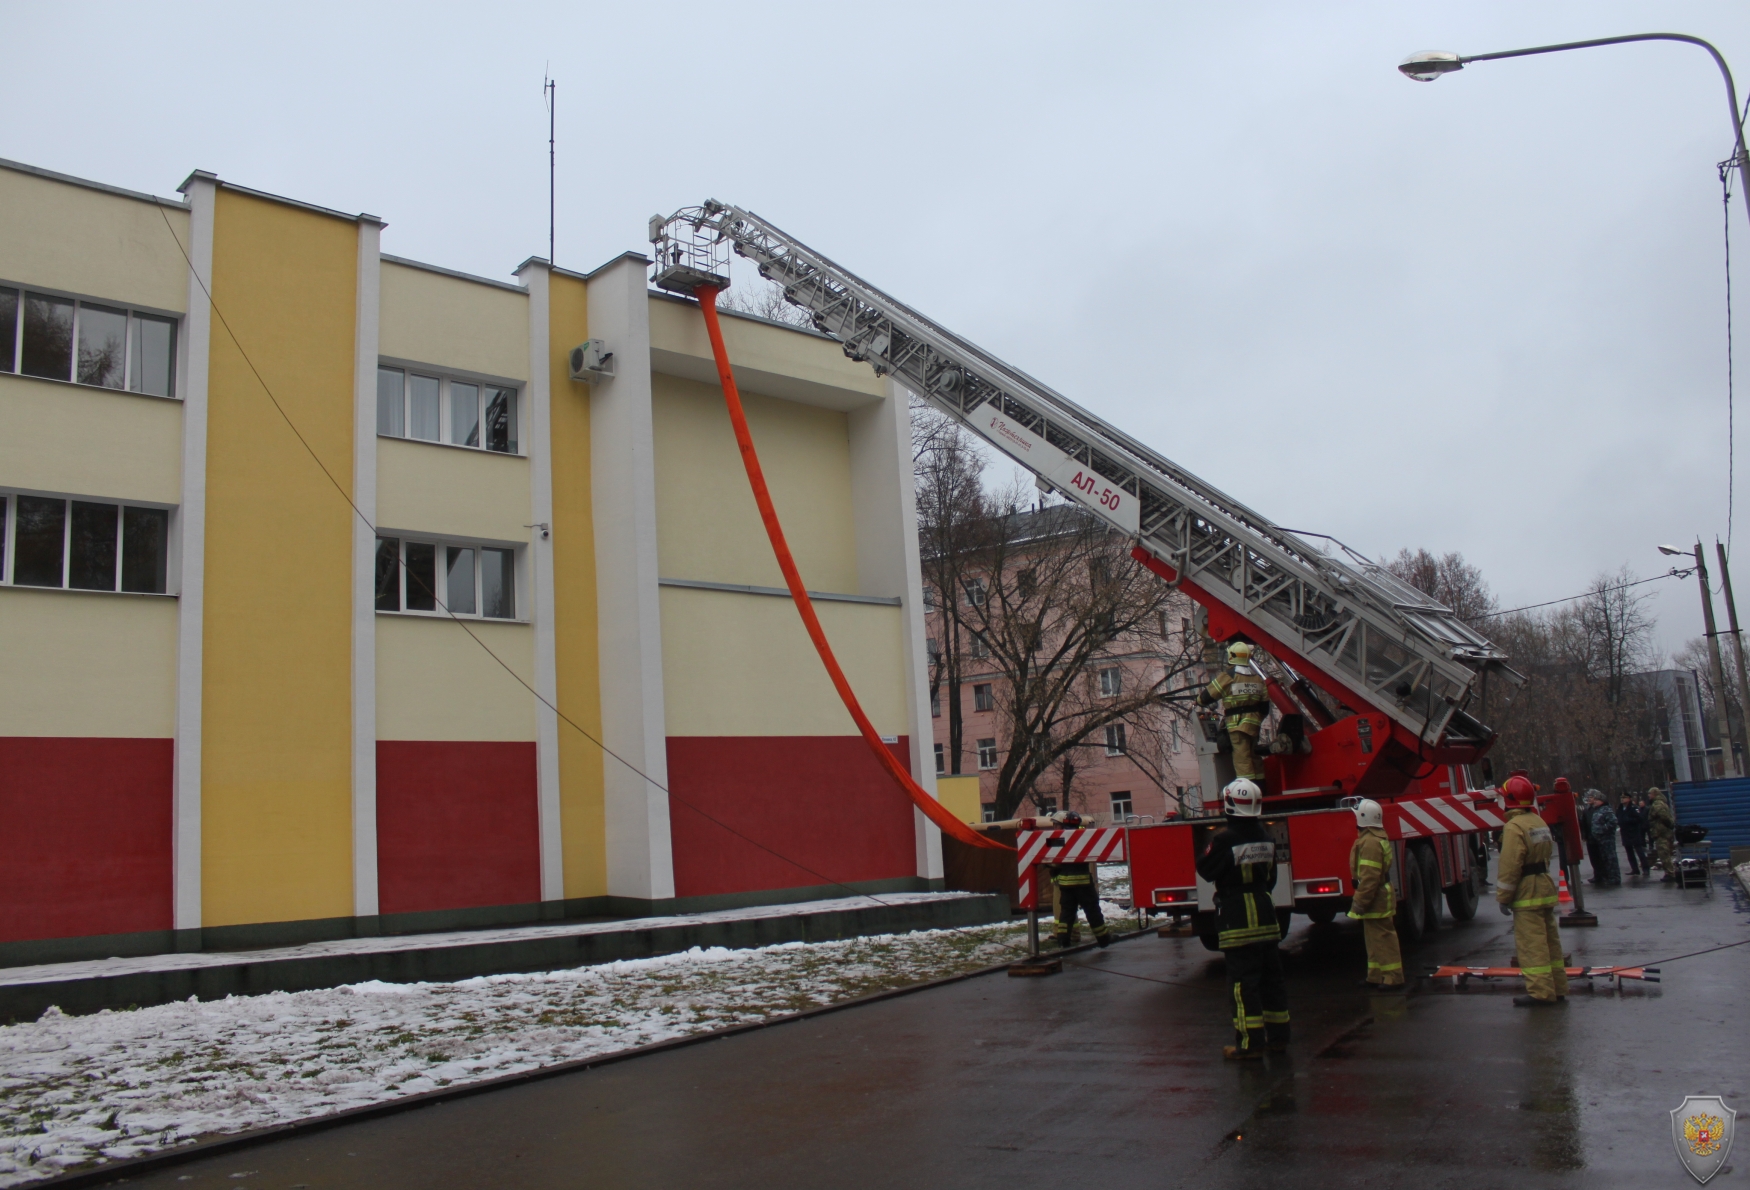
(85, 824)
(457, 825)
(823, 803)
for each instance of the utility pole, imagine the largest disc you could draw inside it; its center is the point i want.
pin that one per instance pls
(1728, 763)
(1737, 644)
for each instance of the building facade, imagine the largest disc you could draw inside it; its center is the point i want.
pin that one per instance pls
(332, 604)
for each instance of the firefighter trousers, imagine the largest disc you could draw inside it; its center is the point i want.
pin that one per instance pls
(1539, 940)
(1071, 897)
(1246, 755)
(1385, 963)
(1259, 994)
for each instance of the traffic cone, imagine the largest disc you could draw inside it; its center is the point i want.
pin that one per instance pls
(1563, 895)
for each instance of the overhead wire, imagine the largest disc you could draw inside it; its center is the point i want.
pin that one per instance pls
(458, 621)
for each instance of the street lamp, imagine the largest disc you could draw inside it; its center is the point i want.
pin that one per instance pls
(1429, 65)
(1723, 723)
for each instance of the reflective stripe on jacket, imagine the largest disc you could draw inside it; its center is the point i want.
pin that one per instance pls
(1243, 696)
(1370, 866)
(1525, 840)
(1241, 863)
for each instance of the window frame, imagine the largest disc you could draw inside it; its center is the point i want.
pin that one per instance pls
(985, 746)
(1116, 742)
(443, 544)
(1121, 797)
(9, 542)
(135, 313)
(446, 377)
(941, 760)
(984, 696)
(1111, 680)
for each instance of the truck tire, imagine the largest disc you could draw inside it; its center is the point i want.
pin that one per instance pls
(1284, 919)
(1430, 885)
(1322, 915)
(1412, 920)
(1208, 930)
(1461, 898)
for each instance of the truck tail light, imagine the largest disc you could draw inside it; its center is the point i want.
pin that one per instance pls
(1329, 886)
(1175, 896)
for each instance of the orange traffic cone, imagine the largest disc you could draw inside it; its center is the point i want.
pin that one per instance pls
(1564, 896)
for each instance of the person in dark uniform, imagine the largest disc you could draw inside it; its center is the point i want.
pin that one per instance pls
(1241, 863)
(1076, 889)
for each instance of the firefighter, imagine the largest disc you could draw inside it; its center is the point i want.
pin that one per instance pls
(1245, 700)
(1073, 886)
(1662, 826)
(1524, 889)
(1241, 863)
(1374, 905)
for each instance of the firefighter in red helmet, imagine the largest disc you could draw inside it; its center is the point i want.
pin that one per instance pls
(1525, 889)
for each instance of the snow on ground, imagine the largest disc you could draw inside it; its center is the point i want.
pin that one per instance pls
(75, 1090)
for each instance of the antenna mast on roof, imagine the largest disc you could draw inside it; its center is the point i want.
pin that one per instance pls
(550, 93)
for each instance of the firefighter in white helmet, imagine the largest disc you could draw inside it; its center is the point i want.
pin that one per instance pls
(1245, 701)
(1370, 864)
(1241, 863)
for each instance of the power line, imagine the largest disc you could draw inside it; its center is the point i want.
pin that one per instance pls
(1674, 572)
(518, 678)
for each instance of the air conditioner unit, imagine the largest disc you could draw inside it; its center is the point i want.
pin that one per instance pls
(591, 361)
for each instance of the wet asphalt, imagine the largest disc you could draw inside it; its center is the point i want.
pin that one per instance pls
(1102, 1077)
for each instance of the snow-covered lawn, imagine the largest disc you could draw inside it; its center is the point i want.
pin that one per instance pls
(74, 1090)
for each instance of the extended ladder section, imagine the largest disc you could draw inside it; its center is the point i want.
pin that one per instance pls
(1375, 638)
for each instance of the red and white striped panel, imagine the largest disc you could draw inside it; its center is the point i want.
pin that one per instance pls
(1416, 818)
(1103, 844)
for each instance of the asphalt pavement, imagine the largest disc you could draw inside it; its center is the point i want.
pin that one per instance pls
(1107, 1076)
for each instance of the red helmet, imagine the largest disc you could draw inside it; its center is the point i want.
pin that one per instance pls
(1519, 791)
(1561, 785)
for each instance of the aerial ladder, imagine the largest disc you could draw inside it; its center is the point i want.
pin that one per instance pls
(1385, 682)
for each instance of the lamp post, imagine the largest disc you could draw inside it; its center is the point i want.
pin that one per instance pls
(1723, 723)
(1429, 65)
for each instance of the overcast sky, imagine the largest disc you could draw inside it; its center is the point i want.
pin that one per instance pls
(1484, 315)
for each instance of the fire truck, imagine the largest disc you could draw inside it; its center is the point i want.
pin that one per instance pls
(1378, 688)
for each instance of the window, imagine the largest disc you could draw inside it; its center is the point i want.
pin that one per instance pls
(1026, 583)
(982, 698)
(1111, 681)
(1115, 739)
(990, 812)
(1120, 805)
(471, 580)
(442, 409)
(936, 703)
(987, 754)
(975, 591)
(1045, 805)
(980, 646)
(929, 598)
(1174, 725)
(935, 650)
(941, 759)
(1030, 637)
(84, 545)
(63, 338)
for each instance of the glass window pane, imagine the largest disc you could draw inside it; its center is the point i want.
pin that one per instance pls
(501, 420)
(8, 329)
(154, 355)
(421, 577)
(103, 345)
(391, 401)
(464, 414)
(42, 527)
(48, 337)
(423, 409)
(91, 565)
(460, 596)
(498, 584)
(145, 549)
(388, 574)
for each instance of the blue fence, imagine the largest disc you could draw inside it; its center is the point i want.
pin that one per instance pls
(1721, 806)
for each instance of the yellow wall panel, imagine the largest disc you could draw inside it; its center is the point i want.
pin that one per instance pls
(582, 809)
(276, 837)
(90, 242)
(426, 488)
(708, 526)
(434, 682)
(743, 665)
(447, 322)
(87, 664)
(90, 441)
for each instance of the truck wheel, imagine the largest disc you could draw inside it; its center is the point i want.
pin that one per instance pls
(1461, 898)
(1324, 915)
(1430, 884)
(1284, 919)
(1412, 918)
(1208, 930)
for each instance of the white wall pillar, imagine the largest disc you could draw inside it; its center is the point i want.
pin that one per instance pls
(201, 189)
(364, 570)
(538, 409)
(623, 492)
(884, 505)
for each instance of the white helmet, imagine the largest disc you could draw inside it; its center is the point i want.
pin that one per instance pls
(1368, 813)
(1243, 799)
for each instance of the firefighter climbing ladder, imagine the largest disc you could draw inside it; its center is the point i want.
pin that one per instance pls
(1371, 634)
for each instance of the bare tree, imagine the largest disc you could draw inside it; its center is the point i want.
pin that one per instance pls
(1449, 579)
(764, 299)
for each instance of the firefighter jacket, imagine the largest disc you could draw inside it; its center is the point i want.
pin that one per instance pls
(1661, 823)
(1523, 879)
(1241, 863)
(1243, 697)
(1070, 875)
(1370, 864)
